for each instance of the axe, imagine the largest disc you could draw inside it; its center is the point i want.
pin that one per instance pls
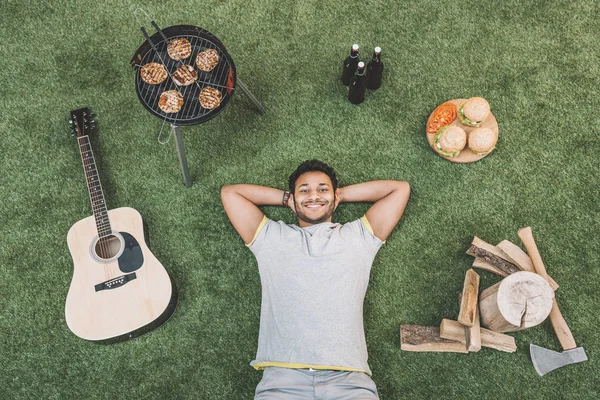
(545, 360)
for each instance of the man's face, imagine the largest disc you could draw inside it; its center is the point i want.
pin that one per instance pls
(314, 198)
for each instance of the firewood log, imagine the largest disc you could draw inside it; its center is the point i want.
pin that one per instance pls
(521, 259)
(472, 333)
(454, 330)
(519, 301)
(427, 338)
(492, 255)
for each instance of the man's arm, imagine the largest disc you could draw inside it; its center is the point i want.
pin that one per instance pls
(390, 198)
(241, 205)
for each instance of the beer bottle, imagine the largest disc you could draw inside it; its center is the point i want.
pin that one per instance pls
(356, 92)
(350, 64)
(374, 70)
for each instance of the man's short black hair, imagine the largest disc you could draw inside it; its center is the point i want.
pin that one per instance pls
(310, 166)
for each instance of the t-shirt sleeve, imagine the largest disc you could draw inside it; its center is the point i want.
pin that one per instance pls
(267, 230)
(363, 233)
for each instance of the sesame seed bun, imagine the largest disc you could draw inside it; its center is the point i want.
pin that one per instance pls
(476, 110)
(450, 140)
(482, 140)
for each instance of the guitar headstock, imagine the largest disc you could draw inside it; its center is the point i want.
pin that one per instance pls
(82, 122)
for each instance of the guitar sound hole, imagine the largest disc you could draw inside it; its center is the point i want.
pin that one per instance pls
(108, 247)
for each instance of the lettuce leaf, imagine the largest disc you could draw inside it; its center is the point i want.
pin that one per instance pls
(466, 120)
(438, 147)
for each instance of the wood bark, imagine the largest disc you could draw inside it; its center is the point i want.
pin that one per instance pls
(482, 264)
(503, 259)
(519, 301)
(427, 338)
(492, 255)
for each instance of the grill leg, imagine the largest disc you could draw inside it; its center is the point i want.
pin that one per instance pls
(181, 153)
(254, 100)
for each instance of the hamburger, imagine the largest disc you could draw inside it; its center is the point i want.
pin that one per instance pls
(482, 140)
(474, 111)
(450, 140)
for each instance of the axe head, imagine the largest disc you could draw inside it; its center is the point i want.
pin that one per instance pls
(545, 360)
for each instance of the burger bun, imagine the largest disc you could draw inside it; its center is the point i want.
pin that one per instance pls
(475, 110)
(482, 140)
(450, 140)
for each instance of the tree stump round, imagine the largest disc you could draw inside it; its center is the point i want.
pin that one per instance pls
(519, 301)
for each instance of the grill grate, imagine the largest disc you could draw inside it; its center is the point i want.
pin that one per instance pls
(222, 77)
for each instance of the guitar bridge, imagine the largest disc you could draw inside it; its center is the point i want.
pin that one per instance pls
(115, 282)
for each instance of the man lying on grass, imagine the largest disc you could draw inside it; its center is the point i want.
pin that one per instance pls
(314, 276)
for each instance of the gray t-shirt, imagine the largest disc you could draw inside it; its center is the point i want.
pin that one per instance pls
(314, 282)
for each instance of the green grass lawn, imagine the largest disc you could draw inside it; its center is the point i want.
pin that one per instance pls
(537, 63)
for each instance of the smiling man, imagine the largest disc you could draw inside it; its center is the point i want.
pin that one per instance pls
(314, 276)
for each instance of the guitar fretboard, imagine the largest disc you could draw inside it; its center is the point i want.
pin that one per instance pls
(94, 187)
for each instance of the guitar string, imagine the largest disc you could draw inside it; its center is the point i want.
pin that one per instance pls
(107, 244)
(84, 149)
(103, 247)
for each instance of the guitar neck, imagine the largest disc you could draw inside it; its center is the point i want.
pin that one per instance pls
(94, 187)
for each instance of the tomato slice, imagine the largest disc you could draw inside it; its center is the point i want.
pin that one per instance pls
(443, 115)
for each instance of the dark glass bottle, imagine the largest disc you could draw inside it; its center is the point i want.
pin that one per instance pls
(356, 92)
(374, 70)
(350, 64)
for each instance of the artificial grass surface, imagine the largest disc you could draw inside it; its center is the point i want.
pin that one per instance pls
(536, 63)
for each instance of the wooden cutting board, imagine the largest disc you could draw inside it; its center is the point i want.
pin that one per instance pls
(466, 155)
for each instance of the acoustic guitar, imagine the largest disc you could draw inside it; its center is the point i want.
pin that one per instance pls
(119, 289)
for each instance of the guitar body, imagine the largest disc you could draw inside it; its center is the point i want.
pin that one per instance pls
(119, 289)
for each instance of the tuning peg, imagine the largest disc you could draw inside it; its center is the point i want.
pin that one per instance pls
(70, 122)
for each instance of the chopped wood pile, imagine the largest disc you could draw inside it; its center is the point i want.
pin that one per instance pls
(521, 300)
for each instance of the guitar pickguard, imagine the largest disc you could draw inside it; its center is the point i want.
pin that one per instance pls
(132, 257)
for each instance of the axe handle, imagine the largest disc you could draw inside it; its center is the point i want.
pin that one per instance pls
(558, 322)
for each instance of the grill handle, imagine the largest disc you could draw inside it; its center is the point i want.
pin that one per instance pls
(148, 39)
(154, 24)
(159, 30)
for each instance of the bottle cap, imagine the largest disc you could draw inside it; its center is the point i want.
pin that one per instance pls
(377, 49)
(361, 64)
(354, 47)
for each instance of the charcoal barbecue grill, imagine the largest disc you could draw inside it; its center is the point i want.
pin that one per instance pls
(223, 78)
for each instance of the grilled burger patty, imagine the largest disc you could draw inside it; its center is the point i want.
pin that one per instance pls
(153, 73)
(179, 48)
(185, 75)
(210, 97)
(170, 101)
(208, 59)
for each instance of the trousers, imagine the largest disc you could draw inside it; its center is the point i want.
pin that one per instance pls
(303, 384)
